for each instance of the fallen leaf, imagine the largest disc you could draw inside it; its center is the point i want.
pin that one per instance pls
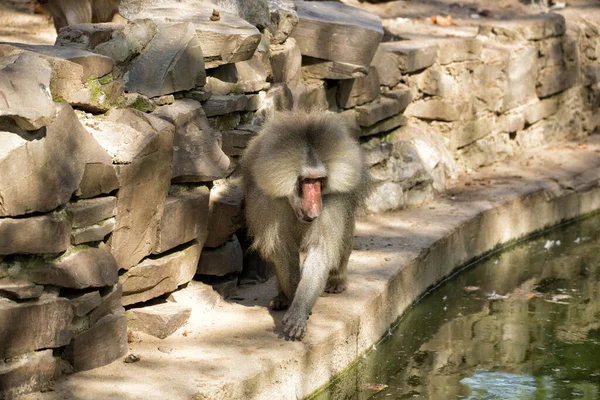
(442, 21)
(185, 333)
(470, 289)
(376, 387)
(582, 146)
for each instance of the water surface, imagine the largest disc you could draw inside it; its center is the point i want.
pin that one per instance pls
(523, 323)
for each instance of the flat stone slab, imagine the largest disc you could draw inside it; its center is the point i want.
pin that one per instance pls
(352, 35)
(226, 41)
(159, 320)
(94, 65)
(387, 273)
(34, 235)
(412, 55)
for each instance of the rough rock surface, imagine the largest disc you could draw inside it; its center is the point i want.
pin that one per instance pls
(159, 320)
(29, 326)
(40, 171)
(25, 78)
(352, 35)
(27, 373)
(225, 212)
(197, 156)
(34, 235)
(181, 65)
(226, 41)
(102, 344)
(226, 259)
(79, 268)
(141, 146)
(185, 218)
(156, 276)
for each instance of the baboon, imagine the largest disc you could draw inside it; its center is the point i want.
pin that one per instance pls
(304, 178)
(71, 12)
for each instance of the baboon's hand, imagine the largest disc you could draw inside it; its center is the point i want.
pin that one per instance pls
(294, 325)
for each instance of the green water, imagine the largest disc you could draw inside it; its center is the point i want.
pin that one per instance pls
(523, 323)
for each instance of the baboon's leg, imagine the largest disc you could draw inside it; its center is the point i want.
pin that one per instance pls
(312, 282)
(287, 270)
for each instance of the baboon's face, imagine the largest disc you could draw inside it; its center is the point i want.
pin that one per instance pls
(306, 201)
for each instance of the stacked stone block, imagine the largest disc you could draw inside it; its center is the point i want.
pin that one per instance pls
(122, 184)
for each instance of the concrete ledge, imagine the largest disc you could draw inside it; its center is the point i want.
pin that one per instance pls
(233, 352)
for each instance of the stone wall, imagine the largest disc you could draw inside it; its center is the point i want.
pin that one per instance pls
(119, 147)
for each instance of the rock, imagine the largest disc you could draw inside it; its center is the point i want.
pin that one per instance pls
(451, 50)
(226, 286)
(431, 149)
(225, 259)
(47, 168)
(278, 98)
(354, 92)
(377, 151)
(93, 233)
(419, 194)
(283, 19)
(488, 150)
(159, 320)
(25, 80)
(34, 235)
(252, 74)
(98, 178)
(385, 125)
(540, 110)
(198, 95)
(226, 41)
(171, 62)
(236, 141)
(86, 302)
(464, 133)
(18, 289)
(138, 102)
(310, 96)
(142, 147)
(91, 211)
(286, 63)
(316, 68)
(185, 218)
(197, 295)
(351, 33)
(404, 96)
(27, 373)
(197, 156)
(412, 55)
(220, 105)
(436, 82)
(385, 197)
(110, 303)
(387, 68)
(437, 109)
(510, 122)
(119, 41)
(521, 72)
(79, 268)
(554, 80)
(225, 212)
(371, 113)
(100, 345)
(94, 65)
(34, 325)
(156, 276)
(534, 27)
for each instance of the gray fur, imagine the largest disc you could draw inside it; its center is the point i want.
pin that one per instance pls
(272, 165)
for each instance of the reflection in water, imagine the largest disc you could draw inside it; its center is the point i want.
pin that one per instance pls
(521, 324)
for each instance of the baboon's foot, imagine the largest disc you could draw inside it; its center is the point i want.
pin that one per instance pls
(279, 302)
(335, 285)
(294, 325)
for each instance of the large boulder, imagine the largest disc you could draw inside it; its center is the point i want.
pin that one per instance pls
(39, 172)
(197, 155)
(141, 147)
(171, 62)
(352, 35)
(224, 40)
